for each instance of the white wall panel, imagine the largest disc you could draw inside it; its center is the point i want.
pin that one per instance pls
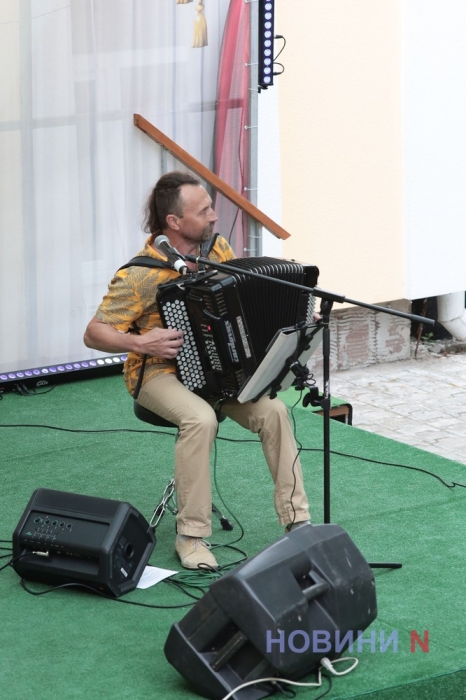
(434, 146)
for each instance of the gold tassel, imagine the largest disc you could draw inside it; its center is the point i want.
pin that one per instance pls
(182, 2)
(200, 28)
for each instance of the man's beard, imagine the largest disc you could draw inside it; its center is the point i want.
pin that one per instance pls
(207, 233)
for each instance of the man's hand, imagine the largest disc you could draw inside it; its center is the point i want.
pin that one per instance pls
(158, 342)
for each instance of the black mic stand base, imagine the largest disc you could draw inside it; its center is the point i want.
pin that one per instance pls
(324, 401)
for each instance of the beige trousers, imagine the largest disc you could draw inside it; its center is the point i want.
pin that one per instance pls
(197, 423)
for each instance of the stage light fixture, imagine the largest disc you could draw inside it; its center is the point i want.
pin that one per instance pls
(266, 36)
(42, 376)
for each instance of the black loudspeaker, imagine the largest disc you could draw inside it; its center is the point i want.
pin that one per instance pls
(70, 538)
(308, 595)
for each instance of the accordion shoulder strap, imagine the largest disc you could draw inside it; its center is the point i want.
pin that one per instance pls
(145, 261)
(207, 246)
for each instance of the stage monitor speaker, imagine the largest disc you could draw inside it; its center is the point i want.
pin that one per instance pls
(71, 538)
(308, 595)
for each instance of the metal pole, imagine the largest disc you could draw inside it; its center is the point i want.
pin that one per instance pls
(254, 247)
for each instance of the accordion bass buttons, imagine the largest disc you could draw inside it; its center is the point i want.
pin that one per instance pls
(188, 362)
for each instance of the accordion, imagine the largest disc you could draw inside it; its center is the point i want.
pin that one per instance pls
(230, 318)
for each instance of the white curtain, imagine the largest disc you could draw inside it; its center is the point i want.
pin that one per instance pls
(74, 170)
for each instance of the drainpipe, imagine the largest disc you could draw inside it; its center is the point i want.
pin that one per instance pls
(452, 314)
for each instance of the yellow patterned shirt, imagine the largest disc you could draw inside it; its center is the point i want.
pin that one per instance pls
(130, 306)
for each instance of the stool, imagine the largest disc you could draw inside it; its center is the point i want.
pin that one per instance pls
(342, 412)
(168, 500)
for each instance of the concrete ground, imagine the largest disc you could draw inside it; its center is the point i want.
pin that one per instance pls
(420, 402)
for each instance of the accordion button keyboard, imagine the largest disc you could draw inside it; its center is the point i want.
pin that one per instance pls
(188, 362)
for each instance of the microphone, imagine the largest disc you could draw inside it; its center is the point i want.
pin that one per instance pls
(175, 258)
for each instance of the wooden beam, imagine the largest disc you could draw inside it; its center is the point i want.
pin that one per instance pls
(208, 176)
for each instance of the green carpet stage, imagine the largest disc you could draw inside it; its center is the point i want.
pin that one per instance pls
(72, 644)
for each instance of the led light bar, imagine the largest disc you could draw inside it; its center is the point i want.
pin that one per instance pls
(266, 34)
(53, 374)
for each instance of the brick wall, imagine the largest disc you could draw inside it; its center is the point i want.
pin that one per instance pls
(361, 337)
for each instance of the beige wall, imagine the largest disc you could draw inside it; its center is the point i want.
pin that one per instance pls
(340, 142)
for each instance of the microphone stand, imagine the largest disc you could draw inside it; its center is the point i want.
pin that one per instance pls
(324, 401)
